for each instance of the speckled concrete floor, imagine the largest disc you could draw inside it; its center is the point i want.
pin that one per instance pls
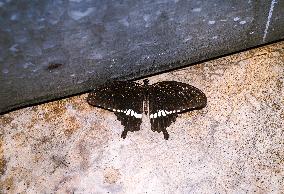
(234, 145)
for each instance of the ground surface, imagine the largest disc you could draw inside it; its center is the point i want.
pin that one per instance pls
(234, 145)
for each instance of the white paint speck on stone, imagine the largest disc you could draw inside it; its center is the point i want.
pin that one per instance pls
(14, 17)
(211, 22)
(49, 44)
(268, 19)
(146, 17)
(13, 48)
(236, 19)
(124, 22)
(242, 22)
(198, 9)
(5, 71)
(77, 1)
(78, 82)
(188, 38)
(77, 15)
(27, 65)
(95, 55)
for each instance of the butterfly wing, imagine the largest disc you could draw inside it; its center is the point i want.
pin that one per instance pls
(168, 98)
(124, 98)
(130, 123)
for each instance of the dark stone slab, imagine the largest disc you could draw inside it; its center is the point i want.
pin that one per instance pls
(52, 49)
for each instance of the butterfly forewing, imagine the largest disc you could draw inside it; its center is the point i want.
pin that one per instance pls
(123, 98)
(176, 97)
(118, 97)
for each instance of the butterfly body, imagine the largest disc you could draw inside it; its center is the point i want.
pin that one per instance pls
(162, 102)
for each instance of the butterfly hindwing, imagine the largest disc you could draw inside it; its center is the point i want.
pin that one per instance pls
(160, 124)
(123, 98)
(130, 123)
(168, 98)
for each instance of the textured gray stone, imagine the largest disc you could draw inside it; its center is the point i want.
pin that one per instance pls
(52, 49)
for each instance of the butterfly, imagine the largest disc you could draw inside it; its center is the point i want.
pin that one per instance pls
(162, 102)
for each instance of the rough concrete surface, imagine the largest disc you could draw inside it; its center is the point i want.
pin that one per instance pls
(234, 145)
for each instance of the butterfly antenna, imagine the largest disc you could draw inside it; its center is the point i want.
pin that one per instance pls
(146, 82)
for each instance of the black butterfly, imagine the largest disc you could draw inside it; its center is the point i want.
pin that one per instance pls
(162, 101)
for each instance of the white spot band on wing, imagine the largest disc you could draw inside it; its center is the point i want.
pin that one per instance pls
(163, 113)
(138, 116)
(129, 112)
